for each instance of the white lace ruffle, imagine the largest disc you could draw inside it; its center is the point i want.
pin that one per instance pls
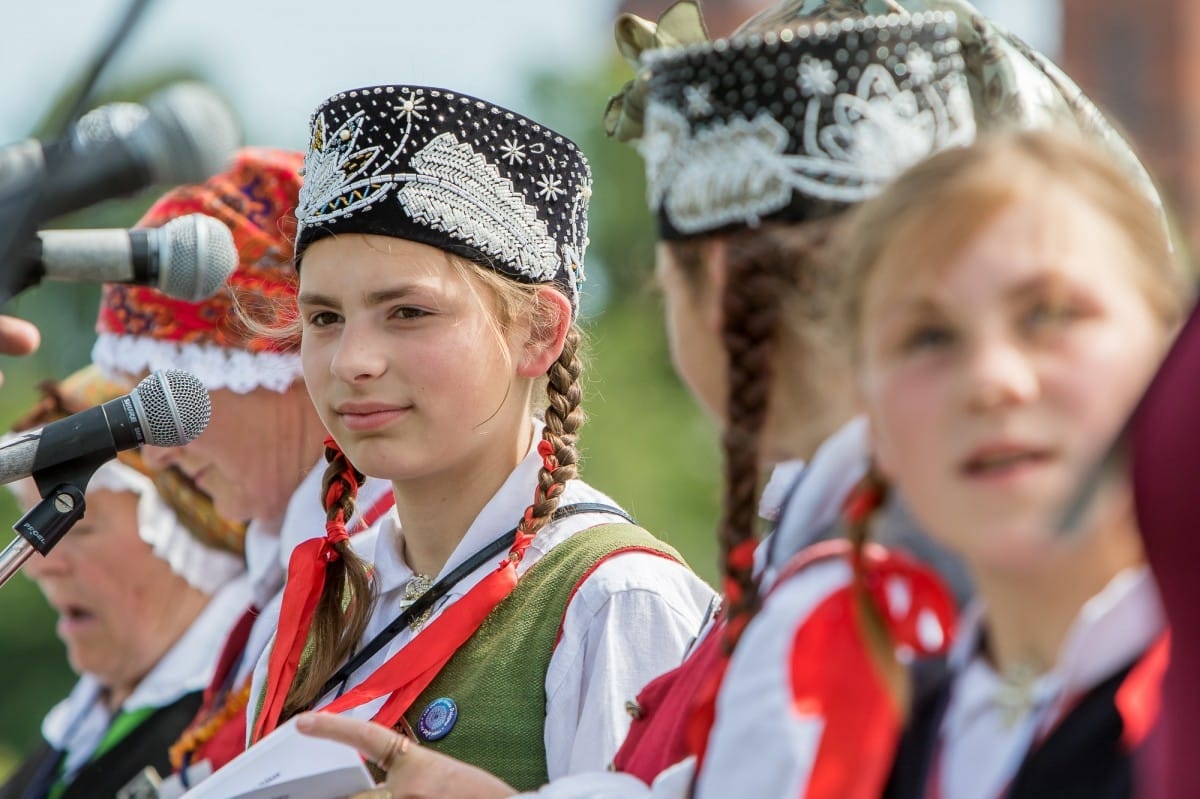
(239, 371)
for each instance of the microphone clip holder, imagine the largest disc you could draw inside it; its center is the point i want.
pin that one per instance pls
(49, 520)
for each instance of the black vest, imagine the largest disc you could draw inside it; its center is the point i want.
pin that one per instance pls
(101, 778)
(1082, 758)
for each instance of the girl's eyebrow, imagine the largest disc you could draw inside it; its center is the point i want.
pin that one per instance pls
(371, 298)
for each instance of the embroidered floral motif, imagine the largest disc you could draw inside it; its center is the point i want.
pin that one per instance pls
(816, 77)
(699, 100)
(550, 187)
(921, 67)
(411, 106)
(513, 152)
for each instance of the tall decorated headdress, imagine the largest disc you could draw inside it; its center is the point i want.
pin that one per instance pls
(174, 517)
(798, 123)
(141, 329)
(451, 171)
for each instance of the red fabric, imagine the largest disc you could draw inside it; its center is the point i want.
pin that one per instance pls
(1139, 699)
(301, 593)
(1164, 441)
(406, 674)
(657, 738)
(836, 678)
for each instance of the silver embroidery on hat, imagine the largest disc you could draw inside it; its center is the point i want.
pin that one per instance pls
(849, 132)
(447, 185)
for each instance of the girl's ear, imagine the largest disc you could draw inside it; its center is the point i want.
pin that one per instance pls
(547, 332)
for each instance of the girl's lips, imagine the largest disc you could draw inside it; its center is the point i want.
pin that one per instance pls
(1002, 463)
(365, 420)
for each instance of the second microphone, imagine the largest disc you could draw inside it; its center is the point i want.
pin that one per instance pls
(188, 258)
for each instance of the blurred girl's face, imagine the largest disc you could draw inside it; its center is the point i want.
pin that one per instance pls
(120, 607)
(993, 382)
(404, 361)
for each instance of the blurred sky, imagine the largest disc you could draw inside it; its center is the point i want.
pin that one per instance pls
(275, 61)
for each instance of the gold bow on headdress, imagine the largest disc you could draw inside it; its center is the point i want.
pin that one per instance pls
(679, 26)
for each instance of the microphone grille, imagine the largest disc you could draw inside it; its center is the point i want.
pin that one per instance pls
(175, 407)
(198, 256)
(196, 132)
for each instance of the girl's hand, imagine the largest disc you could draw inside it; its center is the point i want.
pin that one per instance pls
(413, 772)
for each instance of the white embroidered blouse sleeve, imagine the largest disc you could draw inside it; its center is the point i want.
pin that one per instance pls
(632, 619)
(759, 745)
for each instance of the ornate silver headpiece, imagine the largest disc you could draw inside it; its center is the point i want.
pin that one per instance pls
(801, 122)
(451, 171)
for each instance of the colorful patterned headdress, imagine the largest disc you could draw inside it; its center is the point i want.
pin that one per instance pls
(141, 329)
(799, 123)
(450, 171)
(174, 517)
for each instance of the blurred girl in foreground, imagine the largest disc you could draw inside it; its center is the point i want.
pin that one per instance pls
(1009, 302)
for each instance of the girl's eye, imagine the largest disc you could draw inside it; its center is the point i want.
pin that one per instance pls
(1046, 313)
(927, 337)
(323, 318)
(408, 312)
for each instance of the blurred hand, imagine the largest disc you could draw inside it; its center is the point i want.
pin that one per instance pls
(17, 337)
(413, 772)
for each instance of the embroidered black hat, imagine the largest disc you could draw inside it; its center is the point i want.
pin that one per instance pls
(452, 171)
(798, 123)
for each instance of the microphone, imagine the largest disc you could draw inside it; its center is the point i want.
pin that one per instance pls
(168, 408)
(183, 134)
(188, 258)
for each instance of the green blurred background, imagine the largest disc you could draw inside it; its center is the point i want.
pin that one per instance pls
(645, 443)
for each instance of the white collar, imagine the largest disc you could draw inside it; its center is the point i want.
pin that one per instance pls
(500, 514)
(1111, 630)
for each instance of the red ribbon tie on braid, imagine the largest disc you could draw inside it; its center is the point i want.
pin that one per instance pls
(549, 456)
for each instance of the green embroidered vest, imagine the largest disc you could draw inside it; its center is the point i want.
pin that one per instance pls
(497, 678)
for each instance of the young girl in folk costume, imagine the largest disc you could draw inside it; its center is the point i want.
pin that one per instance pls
(260, 458)
(1009, 303)
(143, 606)
(440, 253)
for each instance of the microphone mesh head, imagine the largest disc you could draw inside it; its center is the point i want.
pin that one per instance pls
(197, 255)
(196, 133)
(175, 405)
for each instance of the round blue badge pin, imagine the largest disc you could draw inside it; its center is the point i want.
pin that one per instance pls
(437, 719)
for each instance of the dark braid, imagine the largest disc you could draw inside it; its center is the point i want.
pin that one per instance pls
(750, 330)
(564, 417)
(345, 606)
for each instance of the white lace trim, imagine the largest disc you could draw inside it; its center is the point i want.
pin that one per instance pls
(737, 170)
(239, 371)
(203, 567)
(454, 189)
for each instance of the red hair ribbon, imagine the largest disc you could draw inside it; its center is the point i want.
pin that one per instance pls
(301, 594)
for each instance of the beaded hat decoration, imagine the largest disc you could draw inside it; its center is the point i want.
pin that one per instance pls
(141, 329)
(451, 171)
(799, 123)
(1011, 84)
(175, 517)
